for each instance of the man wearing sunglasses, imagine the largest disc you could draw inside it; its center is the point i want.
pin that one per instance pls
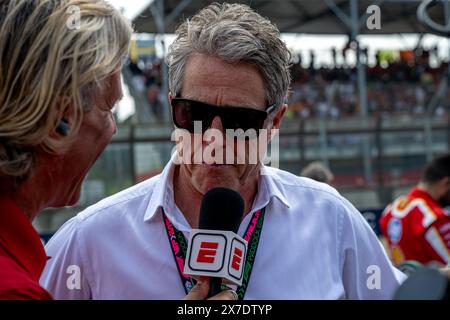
(228, 73)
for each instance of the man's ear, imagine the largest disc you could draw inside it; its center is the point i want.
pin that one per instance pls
(443, 185)
(276, 120)
(170, 97)
(446, 182)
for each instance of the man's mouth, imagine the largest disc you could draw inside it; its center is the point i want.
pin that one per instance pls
(216, 165)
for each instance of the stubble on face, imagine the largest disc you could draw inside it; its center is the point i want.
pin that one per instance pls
(211, 80)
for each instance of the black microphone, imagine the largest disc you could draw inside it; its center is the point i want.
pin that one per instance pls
(424, 284)
(221, 209)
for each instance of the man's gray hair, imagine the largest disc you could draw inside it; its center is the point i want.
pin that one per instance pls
(235, 33)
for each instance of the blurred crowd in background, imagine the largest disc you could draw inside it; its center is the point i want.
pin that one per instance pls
(399, 82)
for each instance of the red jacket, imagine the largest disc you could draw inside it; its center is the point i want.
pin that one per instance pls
(417, 228)
(22, 256)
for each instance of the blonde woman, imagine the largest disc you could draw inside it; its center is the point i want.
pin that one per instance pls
(60, 64)
(59, 79)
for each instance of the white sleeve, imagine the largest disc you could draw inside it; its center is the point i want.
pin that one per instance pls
(367, 272)
(65, 275)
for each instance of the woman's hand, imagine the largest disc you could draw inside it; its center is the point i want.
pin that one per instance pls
(200, 292)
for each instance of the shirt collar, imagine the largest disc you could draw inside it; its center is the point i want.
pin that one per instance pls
(162, 197)
(19, 240)
(271, 186)
(420, 193)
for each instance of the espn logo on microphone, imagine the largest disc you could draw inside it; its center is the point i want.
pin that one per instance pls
(216, 254)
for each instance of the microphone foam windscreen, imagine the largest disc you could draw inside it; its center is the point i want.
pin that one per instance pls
(221, 209)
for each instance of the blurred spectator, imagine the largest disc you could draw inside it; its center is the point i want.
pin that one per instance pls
(417, 226)
(318, 171)
(147, 80)
(399, 83)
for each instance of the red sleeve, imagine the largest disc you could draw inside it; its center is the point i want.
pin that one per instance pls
(26, 293)
(16, 284)
(437, 238)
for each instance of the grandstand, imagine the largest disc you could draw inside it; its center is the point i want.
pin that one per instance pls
(374, 124)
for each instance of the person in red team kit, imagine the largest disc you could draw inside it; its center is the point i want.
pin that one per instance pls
(58, 83)
(417, 226)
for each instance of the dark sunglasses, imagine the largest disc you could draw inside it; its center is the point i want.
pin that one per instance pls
(185, 112)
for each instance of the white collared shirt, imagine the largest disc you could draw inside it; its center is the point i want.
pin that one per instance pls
(314, 245)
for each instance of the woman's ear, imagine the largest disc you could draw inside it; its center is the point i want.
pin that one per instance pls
(63, 127)
(65, 111)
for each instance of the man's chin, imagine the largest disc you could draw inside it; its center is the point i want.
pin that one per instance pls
(211, 181)
(208, 187)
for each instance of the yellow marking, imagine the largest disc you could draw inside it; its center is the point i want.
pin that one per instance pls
(402, 207)
(397, 255)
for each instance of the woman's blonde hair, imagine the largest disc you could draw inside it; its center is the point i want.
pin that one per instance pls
(53, 53)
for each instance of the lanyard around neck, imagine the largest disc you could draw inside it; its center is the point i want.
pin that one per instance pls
(178, 245)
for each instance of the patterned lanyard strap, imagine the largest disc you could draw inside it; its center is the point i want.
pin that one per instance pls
(178, 245)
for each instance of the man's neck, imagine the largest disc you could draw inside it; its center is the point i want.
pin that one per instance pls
(189, 199)
(430, 189)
